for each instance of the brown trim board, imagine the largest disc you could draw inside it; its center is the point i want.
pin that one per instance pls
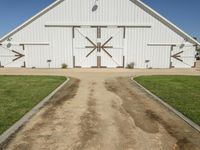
(123, 61)
(73, 31)
(98, 61)
(24, 65)
(73, 61)
(1, 65)
(18, 55)
(124, 31)
(195, 63)
(98, 32)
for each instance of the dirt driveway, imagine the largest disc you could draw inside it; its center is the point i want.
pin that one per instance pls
(103, 110)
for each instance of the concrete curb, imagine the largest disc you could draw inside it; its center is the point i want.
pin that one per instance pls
(179, 114)
(9, 132)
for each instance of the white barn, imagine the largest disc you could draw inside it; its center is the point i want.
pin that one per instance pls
(98, 33)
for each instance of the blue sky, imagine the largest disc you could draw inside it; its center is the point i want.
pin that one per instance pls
(184, 13)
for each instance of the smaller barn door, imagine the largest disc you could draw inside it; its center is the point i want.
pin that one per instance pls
(183, 56)
(112, 49)
(85, 52)
(12, 56)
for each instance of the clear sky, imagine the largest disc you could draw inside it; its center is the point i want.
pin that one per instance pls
(184, 13)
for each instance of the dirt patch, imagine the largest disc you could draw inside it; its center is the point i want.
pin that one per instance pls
(147, 117)
(89, 122)
(133, 107)
(125, 127)
(64, 94)
(182, 142)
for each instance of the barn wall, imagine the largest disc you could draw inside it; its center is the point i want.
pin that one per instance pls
(115, 12)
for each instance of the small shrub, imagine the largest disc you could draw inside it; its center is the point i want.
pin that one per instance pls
(64, 66)
(131, 65)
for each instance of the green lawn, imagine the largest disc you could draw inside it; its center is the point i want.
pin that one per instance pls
(181, 92)
(18, 94)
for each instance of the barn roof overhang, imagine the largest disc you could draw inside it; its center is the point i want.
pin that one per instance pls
(162, 19)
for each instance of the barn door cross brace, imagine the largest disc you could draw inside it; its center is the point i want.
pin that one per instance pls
(177, 56)
(17, 55)
(99, 47)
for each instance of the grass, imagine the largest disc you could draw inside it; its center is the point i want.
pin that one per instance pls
(181, 92)
(18, 94)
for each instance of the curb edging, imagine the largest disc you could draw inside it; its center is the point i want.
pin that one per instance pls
(179, 114)
(13, 129)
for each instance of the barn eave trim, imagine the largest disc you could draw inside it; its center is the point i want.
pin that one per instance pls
(165, 21)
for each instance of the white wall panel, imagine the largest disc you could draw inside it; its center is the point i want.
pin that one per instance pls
(6, 56)
(37, 56)
(60, 46)
(137, 39)
(158, 56)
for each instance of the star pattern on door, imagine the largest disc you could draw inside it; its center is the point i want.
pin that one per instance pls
(17, 55)
(99, 46)
(177, 56)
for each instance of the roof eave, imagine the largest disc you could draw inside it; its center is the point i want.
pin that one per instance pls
(165, 21)
(54, 4)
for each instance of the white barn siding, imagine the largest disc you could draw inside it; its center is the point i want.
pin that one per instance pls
(61, 46)
(37, 56)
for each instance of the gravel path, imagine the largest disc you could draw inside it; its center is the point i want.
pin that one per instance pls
(103, 110)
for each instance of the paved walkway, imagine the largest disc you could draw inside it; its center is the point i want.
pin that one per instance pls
(103, 110)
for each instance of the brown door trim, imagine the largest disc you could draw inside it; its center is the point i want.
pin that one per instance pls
(123, 61)
(74, 63)
(24, 65)
(195, 64)
(1, 65)
(124, 31)
(99, 61)
(73, 30)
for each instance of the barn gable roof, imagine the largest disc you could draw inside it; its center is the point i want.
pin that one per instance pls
(139, 3)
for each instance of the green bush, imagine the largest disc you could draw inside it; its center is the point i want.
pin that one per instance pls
(64, 66)
(131, 65)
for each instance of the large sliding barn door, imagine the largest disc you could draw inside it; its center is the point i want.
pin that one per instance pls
(85, 55)
(113, 55)
(183, 57)
(98, 46)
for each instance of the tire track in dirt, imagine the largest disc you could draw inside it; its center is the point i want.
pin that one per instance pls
(89, 122)
(125, 127)
(145, 113)
(66, 93)
(128, 104)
